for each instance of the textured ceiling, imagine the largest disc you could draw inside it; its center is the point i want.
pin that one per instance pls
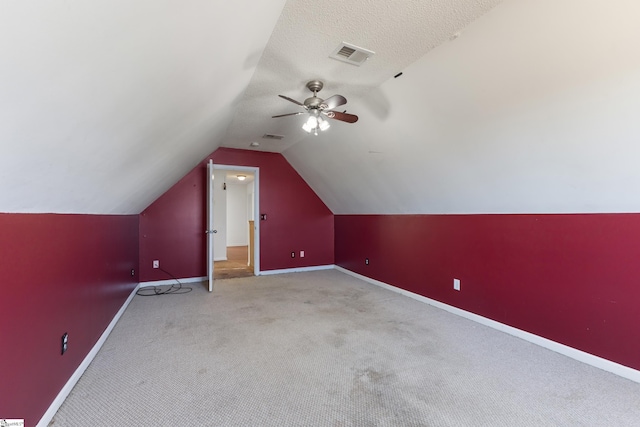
(533, 109)
(513, 106)
(308, 31)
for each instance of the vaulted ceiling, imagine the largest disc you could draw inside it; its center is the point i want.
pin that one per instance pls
(502, 106)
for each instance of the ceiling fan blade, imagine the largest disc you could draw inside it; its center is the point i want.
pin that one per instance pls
(333, 102)
(343, 117)
(289, 114)
(292, 100)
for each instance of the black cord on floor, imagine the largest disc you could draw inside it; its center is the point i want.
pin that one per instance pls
(152, 291)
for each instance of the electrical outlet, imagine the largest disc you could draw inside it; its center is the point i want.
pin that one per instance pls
(65, 342)
(133, 272)
(366, 261)
(301, 254)
(156, 263)
(456, 284)
(293, 254)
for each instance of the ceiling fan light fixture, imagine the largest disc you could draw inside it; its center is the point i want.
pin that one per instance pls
(307, 127)
(323, 124)
(315, 123)
(311, 124)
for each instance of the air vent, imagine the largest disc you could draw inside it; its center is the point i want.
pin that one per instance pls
(271, 136)
(346, 52)
(351, 54)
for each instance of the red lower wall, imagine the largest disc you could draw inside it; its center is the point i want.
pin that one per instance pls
(574, 279)
(58, 273)
(172, 228)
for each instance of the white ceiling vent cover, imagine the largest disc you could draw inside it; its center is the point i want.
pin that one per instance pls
(351, 54)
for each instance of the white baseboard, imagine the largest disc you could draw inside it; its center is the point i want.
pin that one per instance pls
(220, 259)
(297, 270)
(579, 355)
(173, 281)
(60, 398)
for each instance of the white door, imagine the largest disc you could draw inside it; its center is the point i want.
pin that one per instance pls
(210, 231)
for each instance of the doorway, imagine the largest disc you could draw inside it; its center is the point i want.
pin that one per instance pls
(235, 265)
(235, 206)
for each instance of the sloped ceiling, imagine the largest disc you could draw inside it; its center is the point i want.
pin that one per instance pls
(107, 103)
(503, 106)
(534, 108)
(308, 31)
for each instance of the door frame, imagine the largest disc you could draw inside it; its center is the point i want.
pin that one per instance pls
(256, 208)
(210, 231)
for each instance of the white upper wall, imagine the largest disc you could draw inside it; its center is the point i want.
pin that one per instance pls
(105, 104)
(237, 219)
(534, 108)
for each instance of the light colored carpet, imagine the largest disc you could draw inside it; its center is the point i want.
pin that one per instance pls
(326, 349)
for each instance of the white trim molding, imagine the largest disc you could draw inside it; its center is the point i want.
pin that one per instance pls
(60, 398)
(297, 270)
(579, 355)
(173, 281)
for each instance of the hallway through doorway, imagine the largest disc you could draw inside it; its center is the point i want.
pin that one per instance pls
(236, 264)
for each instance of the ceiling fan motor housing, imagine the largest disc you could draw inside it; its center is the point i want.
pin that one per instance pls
(315, 86)
(314, 102)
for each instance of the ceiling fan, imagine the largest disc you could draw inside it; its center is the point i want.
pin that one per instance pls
(318, 108)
